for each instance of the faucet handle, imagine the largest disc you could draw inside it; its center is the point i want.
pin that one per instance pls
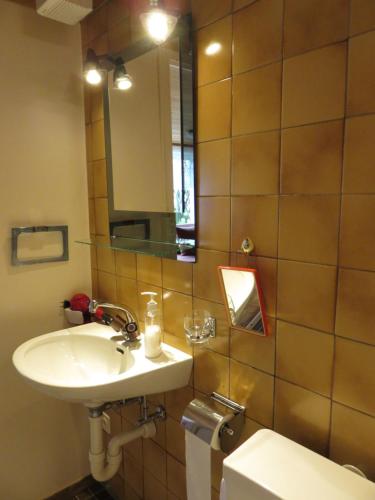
(93, 305)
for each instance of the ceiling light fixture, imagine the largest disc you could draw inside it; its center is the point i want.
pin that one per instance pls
(121, 79)
(95, 67)
(92, 70)
(158, 23)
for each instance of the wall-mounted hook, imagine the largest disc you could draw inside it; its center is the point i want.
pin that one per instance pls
(247, 246)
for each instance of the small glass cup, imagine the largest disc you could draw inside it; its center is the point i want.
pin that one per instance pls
(198, 327)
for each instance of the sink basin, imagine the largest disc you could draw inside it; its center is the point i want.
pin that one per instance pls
(83, 365)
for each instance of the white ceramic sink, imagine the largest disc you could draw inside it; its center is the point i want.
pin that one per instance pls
(82, 364)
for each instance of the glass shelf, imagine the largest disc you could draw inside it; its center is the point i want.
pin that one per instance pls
(147, 247)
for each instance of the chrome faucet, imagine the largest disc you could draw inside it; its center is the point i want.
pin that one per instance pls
(130, 329)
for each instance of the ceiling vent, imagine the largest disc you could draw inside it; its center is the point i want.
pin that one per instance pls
(64, 11)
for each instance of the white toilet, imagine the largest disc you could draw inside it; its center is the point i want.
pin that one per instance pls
(269, 467)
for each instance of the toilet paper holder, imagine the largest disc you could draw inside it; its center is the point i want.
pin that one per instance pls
(216, 420)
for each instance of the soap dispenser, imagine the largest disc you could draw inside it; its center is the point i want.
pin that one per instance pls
(152, 337)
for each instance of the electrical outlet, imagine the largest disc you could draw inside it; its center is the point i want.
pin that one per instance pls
(106, 423)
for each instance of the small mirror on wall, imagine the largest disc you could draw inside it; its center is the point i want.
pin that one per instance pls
(243, 299)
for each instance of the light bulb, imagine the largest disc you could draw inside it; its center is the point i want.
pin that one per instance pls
(124, 83)
(93, 77)
(159, 24)
(213, 48)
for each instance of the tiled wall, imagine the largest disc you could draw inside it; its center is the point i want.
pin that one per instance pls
(286, 155)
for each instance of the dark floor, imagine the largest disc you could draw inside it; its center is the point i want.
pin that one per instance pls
(87, 489)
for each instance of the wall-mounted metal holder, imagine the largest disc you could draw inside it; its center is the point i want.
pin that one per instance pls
(16, 231)
(218, 421)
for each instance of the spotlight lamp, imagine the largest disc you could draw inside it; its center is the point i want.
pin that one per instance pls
(96, 66)
(121, 79)
(158, 23)
(92, 71)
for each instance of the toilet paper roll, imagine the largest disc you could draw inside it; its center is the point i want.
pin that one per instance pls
(198, 468)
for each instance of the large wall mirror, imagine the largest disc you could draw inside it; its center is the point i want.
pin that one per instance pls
(150, 150)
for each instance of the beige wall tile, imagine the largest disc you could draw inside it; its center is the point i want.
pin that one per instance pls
(209, 11)
(90, 180)
(116, 486)
(362, 16)
(94, 282)
(101, 216)
(255, 217)
(359, 172)
(176, 401)
(253, 389)
(257, 100)
(309, 25)
(357, 236)
(214, 109)
(149, 269)
(100, 178)
(152, 488)
(98, 143)
(314, 86)
(175, 439)
(175, 307)
(127, 293)
(205, 274)
(305, 357)
(155, 460)
(309, 228)
(311, 158)
(176, 477)
(250, 428)
(214, 67)
(133, 474)
(129, 492)
(254, 350)
(105, 256)
(135, 448)
(213, 161)
(88, 136)
(353, 439)
(354, 378)
(302, 416)
(220, 343)
(107, 287)
(238, 4)
(217, 458)
(355, 317)
(306, 294)
(257, 33)
(126, 264)
(361, 77)
(255, 164)
(96, 103)
(177, 276)
(211, 372)
(213, 228)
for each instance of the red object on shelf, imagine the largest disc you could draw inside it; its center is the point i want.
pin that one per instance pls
(80, 302)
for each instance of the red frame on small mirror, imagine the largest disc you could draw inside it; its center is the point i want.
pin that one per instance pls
(243, 299)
